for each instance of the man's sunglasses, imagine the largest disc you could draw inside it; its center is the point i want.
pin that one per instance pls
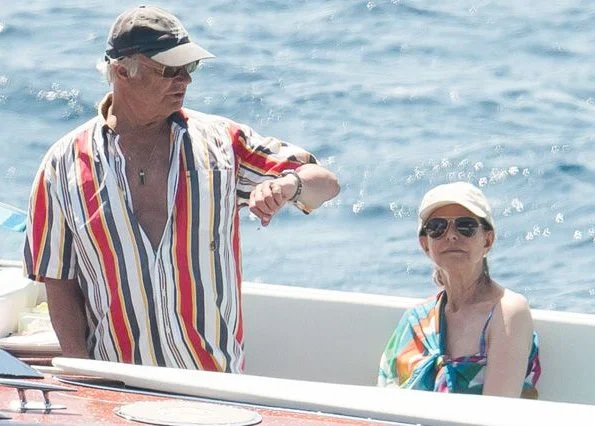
(437, 226)
(172, 72)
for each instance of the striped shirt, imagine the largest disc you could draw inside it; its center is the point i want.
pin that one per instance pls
(178, 305)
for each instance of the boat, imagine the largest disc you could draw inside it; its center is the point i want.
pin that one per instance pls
(315, 352)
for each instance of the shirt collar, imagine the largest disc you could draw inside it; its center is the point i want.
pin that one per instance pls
(180, 117)
(102, 113)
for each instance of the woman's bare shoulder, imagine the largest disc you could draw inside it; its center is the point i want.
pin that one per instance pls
(514, 302)
(514, 308)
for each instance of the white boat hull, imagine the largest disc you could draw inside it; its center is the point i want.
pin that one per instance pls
(338, 337)
(387, 404)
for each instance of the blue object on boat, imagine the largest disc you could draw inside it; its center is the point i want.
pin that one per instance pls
(13, 367)
(12, 218)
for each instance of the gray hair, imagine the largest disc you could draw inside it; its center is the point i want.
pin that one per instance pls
(107, 68)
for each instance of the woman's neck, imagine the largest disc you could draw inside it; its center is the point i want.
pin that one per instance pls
(465, 289)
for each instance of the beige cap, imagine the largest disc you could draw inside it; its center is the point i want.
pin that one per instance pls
(462, 193)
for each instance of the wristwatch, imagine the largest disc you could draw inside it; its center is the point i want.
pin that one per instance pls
(299, 185)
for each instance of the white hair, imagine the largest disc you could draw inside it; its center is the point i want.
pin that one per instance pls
(107, 67)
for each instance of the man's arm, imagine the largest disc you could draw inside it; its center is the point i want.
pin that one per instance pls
(318, 186)
(67, 313)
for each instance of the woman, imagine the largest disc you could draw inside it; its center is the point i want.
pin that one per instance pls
(473, 336)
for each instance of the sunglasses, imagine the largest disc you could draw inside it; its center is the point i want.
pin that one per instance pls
(437, 226)
(172, 72)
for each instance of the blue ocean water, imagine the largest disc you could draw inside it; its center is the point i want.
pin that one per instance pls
(393, 96)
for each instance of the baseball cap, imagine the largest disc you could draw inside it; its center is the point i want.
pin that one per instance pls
(462, 193)
(155, 33)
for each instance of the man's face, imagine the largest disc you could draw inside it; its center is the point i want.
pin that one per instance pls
(158, 91)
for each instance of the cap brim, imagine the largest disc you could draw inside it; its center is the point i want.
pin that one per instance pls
(182, 55)
(425, 213)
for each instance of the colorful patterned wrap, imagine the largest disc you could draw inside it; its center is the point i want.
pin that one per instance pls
(415, 358)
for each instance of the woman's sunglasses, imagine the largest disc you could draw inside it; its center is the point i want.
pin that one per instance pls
(173, 72)
(437, 226)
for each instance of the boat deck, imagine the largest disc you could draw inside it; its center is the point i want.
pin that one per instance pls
(95, 406)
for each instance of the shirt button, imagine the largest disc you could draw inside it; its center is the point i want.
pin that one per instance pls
(213, 245)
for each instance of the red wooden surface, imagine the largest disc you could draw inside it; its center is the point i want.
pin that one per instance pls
(89, 406)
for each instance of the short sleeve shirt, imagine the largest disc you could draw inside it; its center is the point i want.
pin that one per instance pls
(178, 305)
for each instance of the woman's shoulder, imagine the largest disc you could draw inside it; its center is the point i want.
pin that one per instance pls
(513, 303)
(422, 309)
(514, 310)
(427, 304)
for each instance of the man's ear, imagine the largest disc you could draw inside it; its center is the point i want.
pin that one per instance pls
(121, 72)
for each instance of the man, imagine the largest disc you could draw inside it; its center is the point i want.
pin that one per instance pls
(133, 217)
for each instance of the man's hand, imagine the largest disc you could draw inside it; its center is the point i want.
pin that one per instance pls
(268, 197)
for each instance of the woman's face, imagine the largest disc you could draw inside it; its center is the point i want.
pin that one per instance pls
(454, 248)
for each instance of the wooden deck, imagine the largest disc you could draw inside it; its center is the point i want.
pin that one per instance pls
(90, 406)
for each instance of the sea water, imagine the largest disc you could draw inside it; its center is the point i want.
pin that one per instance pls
(392, 96)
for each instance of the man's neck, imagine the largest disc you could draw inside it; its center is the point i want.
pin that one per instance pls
(125, 120)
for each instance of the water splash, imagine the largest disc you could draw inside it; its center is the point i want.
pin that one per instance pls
(55, 93)
(329, 161)
(454, 96)
(400, 211)
(417, 175)
(517, 205)
(556, 149)
(10, 173)
(358, 206)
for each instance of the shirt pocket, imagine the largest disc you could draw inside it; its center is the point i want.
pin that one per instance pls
(211, 196)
